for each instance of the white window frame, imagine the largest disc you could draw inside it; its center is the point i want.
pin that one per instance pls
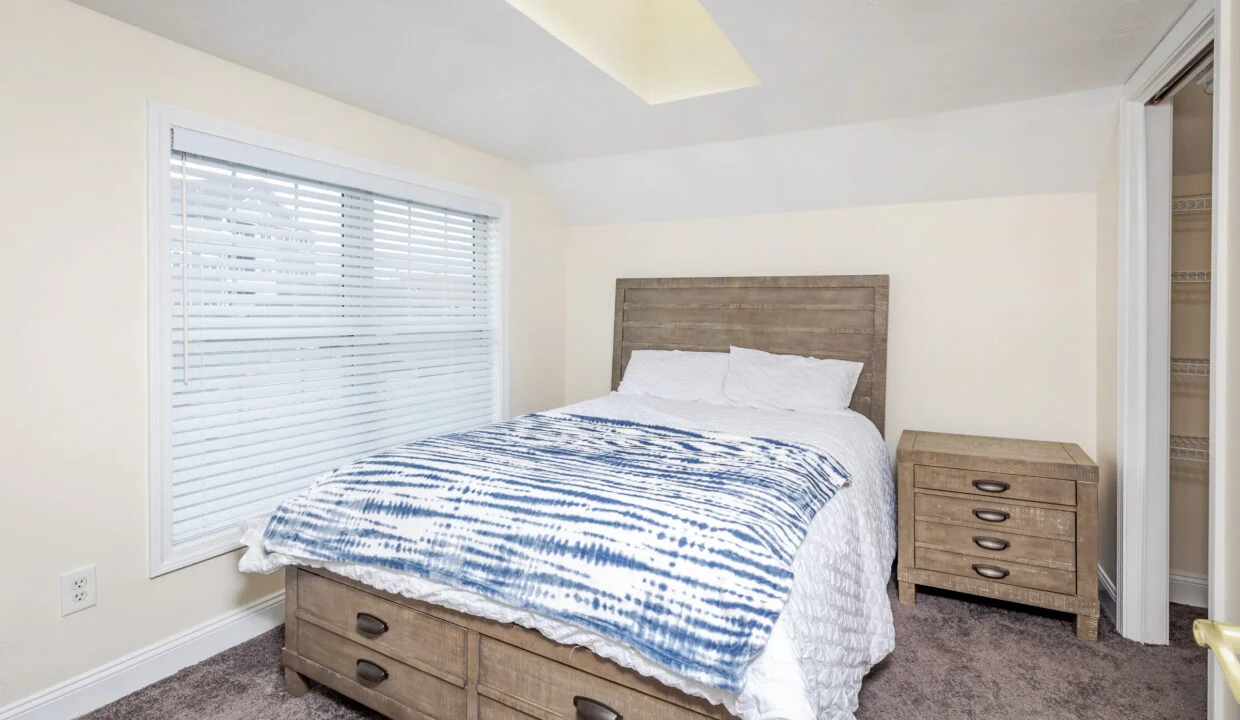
(348, 169)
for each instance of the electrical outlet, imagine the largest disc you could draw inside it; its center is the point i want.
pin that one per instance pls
(77, 590)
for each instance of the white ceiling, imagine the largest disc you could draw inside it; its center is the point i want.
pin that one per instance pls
(481, 73)
(1054, 144)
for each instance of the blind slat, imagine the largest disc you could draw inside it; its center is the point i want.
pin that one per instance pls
(416, 282)
(241, 206)
(242, 409)
(223, 233)
(305, 426)
(198, 392)
(290, 285)
(395, 351)
(230, 468)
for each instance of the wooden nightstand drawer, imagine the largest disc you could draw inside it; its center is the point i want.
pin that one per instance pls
(1006, 573)
(996, 485)
(996, 545)
(987, 514)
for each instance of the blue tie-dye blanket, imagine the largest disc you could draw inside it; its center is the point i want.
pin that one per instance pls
(676, 543)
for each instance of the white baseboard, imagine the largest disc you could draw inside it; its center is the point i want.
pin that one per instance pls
(1107, 595)
(1190, 589)
(96, 688)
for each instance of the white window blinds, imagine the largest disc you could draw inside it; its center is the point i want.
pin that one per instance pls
(312, 323)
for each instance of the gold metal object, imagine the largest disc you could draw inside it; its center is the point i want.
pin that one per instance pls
(1224, 640)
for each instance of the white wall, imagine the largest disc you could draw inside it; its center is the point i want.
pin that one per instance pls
(992, 324)
(73, 376)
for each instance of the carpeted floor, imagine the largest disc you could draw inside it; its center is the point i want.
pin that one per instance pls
(954, 658)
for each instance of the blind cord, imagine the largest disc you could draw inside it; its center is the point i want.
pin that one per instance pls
(184, 273)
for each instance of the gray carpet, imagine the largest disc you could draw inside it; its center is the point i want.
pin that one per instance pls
(954, 658)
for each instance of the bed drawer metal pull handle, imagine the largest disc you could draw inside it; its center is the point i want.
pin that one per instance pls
(990, 515)
(990, 571)
(989, 543)
(371, 672)
(991, 486)
(588, 709)
(368, 624)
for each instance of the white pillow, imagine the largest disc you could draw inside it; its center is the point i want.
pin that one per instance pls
(789, 382)
(676, 375)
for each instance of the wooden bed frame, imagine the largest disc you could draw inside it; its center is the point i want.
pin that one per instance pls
(408, 659)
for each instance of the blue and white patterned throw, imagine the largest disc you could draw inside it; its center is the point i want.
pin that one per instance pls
(676, 543)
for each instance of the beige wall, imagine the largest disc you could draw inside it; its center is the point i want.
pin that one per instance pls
(73, 379)
(992, 326)
(1107, 309)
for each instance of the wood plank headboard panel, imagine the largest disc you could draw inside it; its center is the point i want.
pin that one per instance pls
(824, 316)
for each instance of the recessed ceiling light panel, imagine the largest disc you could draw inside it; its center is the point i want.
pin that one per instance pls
(662, 50)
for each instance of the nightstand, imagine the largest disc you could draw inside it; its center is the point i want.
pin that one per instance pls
(1015, 520)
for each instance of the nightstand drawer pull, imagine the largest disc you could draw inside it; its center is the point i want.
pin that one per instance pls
(990, 571)
(991, 486)
(990, 515)
(374, 673)
(989, 543)
(368, 624)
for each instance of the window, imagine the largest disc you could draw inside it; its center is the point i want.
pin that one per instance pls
(307, 315)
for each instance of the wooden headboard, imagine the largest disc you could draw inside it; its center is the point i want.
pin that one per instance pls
(824, 316)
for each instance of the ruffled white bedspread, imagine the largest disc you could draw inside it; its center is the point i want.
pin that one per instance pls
(837, 622)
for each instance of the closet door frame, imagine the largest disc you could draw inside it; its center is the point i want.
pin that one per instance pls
(1143, 488)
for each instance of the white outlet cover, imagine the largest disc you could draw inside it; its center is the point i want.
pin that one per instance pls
(77, 590)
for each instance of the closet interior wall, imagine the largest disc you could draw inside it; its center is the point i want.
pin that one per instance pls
(1190, 336)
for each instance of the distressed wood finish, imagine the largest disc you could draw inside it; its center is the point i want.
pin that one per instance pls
(541, 687)
(294, 682)
(833, 316)
(1047, 543)
(505, 671)
(1019, 487)
(1003, 455)
(1040, 551)
(415, 638)
(1022, 518)
(405, 684)
(1029, 576)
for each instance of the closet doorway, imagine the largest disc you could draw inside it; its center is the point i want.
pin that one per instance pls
(1192, 112)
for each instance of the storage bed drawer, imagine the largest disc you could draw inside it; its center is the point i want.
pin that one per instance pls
(393, 629)
(408, 686)
(431, 663)
(545, 688)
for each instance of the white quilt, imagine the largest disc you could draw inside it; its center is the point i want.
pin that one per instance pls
(837, 621)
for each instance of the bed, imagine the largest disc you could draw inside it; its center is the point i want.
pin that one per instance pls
(410, 647)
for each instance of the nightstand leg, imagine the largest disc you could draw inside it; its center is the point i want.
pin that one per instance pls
(294, 683)
(908, 593)
(1087, 627)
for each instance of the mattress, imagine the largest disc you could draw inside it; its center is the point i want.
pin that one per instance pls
(837, 622)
